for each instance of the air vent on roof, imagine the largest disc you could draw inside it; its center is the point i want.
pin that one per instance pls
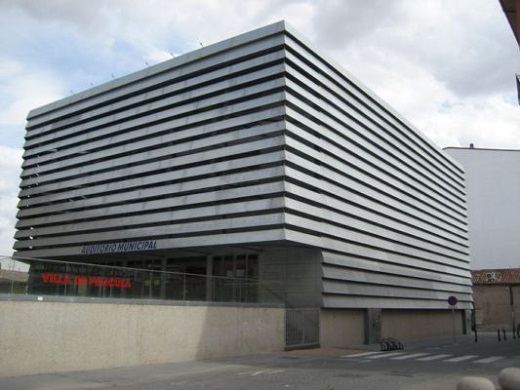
(491, 277)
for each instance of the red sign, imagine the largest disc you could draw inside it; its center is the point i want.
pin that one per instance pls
(82, 280)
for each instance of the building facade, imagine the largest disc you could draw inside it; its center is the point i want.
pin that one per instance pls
(493, 187)
(497, 299)
(254, 158)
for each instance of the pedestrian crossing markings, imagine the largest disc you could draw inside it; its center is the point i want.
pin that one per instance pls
(461, 358)
(422, 357)
(434, 357)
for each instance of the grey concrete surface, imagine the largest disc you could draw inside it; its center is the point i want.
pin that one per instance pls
(356, 367)
(128, 335)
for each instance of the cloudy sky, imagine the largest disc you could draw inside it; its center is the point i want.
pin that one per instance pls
(446, 65)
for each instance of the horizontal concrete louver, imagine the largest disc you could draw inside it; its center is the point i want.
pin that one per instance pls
(386, 206)
(257, 139)
(178, 152)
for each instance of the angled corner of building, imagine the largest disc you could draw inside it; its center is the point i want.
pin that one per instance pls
(255, 154)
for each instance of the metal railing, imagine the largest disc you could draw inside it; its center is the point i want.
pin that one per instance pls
(42, 277)
(302, 327)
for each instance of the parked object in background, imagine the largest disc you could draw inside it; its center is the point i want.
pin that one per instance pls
(390, 344)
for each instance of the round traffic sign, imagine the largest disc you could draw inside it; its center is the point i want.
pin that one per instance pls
(452, 300)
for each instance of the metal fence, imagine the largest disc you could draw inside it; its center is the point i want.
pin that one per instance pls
(302, 328)
(40, 277)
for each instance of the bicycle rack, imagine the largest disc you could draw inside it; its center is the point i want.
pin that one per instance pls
(390, 344)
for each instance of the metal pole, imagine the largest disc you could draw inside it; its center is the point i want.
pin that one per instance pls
(512, 304)
(453, 322)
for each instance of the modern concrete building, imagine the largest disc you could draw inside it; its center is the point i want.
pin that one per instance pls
(493, 186)
(255, 158)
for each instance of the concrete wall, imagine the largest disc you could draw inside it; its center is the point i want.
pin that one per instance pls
(493, 308)
(416, 324)
(342, 327)
(339, 328)
(40, 337)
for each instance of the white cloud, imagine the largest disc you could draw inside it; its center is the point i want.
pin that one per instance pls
(24, 88)
(447, 67)
(10, 166)
(489, 122)
(461, 44)
(340, 23)
(86, 16)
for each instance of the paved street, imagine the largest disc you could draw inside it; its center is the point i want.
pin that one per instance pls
(433, 364)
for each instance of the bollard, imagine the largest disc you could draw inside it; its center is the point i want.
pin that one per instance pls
(509, 378)
(498, 334)
(504, 333)
(475, 383)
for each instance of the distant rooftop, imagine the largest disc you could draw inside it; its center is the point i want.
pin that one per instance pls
(510, 8)
(471, 147)
(496, 276)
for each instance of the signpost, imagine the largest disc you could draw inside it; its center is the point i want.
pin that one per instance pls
(452, 301)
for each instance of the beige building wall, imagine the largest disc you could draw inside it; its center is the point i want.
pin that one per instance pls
(342, 327)
(415, 324)
(493, 307)
(43, 337)
(339, 328)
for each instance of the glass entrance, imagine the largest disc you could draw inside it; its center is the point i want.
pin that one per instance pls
(236, 278)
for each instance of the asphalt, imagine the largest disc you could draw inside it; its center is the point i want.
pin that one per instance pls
(146, 376)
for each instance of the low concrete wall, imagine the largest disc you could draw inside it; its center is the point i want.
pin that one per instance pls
(42, 337)
(344, 327)
(341, 327)
(417, 324)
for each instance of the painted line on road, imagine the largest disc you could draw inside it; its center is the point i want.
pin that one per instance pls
(489, 359)
(461, 358)
(385, 355)
(433, 357)
(261, 372)
(422, 357)
(411, 356)
(363, 354)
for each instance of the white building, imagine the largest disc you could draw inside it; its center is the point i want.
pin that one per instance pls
(493, 186)
(255, 157)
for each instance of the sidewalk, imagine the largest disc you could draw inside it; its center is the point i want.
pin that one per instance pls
(112, 377)
(143, 375)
